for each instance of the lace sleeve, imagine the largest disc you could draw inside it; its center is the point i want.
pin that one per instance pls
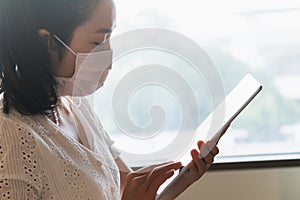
(114, 151)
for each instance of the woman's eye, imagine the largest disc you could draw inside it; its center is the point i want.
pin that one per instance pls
(98, 43)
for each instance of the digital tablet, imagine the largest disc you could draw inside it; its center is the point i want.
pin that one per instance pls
(232, 105)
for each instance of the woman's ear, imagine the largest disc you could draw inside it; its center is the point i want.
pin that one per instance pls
(46, 38)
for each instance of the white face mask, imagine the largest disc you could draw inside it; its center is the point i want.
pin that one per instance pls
(91, 70)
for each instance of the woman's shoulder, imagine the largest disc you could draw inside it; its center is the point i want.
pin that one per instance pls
(14, 126)
(12, 118)
(21, 166)
(7, 120)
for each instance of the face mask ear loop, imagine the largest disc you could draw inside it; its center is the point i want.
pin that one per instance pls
(73, 52)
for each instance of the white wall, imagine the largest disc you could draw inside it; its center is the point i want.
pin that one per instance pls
(263, 184)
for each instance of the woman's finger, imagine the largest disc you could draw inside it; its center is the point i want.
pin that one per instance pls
(206, 155)
(160, 170)
(204, 151)
(138, 180)
(200, 163)
(192, 167)
(200, 143)
(150, 168)
(208, 151)
(209, 159)
(153, 187)
(211, 146)
(133, 175)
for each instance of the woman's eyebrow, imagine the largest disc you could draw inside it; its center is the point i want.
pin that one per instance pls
(104, 30)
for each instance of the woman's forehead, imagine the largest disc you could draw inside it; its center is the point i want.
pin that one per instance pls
(103, 17)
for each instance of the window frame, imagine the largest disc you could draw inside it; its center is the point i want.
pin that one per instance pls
(265, 164)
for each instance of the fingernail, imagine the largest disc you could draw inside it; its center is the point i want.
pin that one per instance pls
(168, 162)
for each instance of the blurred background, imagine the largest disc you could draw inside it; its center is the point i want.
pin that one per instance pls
(240, 37)
(257, 37)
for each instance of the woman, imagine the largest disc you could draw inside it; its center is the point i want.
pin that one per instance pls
(53, 146)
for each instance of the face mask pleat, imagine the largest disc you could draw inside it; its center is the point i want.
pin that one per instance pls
(93, 63)
(89, 73)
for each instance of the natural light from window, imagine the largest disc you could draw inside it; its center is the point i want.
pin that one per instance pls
(240, 36)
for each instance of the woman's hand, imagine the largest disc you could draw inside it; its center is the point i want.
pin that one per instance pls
(144, 183)
(202, 159)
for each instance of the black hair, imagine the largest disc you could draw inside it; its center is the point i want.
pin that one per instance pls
(27, 81)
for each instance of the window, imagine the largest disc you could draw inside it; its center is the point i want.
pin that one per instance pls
(240, 37)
